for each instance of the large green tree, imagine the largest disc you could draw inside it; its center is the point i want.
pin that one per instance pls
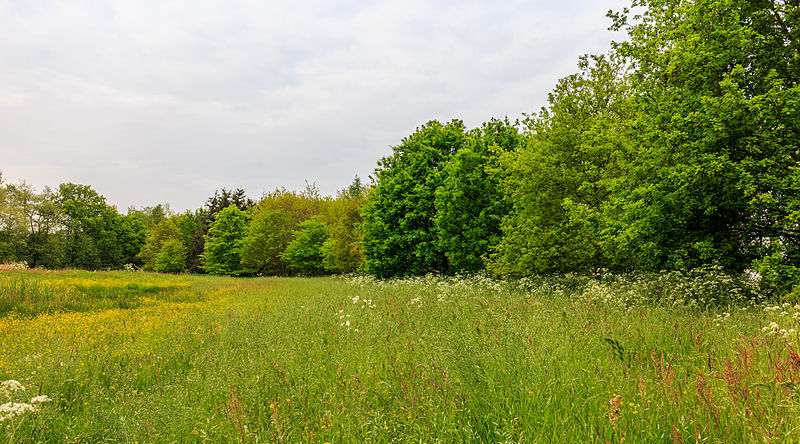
(96, 236)
(265, 240)
(470, 202)
(399, 218)
(191, 226)
(559, 181)
(161, 233)
(717, 131)
(18, 211)
(222, 250)
(172, 257)
(305, 254)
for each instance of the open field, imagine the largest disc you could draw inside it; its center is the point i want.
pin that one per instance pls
(137, 357)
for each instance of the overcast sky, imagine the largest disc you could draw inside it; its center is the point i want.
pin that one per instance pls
(156, 101)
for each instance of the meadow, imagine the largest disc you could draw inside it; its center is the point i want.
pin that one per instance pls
(137, 357)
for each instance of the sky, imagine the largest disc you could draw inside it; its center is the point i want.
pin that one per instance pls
(159, 101)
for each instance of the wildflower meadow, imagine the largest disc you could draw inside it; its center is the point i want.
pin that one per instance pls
(136, 357)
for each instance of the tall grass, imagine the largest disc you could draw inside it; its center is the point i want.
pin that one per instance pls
(561, 359)
(32, 292)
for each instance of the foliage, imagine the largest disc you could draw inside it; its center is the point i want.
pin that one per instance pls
(95, 235)
(163, 232)
(149, 217)
(276, 216)
(715, 176)
(399, 228)
(191, 227)
(172, 257)
(470, 203)
(224, 198)
(265, 240)
(559, 180)
(18, 205)
(343, 251)
(130, 235)
(299, 205)
(305, 253)
(223, 244)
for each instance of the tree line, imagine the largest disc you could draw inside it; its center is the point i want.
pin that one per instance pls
(285, 232)
(677, 149)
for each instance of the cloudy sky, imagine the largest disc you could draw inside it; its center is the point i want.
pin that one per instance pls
(153, 101)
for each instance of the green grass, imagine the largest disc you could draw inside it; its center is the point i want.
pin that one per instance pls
(422, 360)
(36, 291)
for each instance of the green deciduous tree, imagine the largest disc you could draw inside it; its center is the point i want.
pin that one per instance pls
(18, 205)
(149, 217)
(717, 134)
(470, 202)
(130, 235)
(343, 251)
(191, 226)
(267, 237)
(96, 236)
(222, 250)
(558, 182)
(305, 254)
(399, 218)
(277, 215)
(172, 257)
(163, 232)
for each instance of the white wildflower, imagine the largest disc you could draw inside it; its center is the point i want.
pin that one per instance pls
(8, 388)
(771, 329)
(12, 409)
(40, 399)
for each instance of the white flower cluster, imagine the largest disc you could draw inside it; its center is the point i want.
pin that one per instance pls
(786, 318)
(702, 288)
(344, 321)
(434, 288)
(773, 329)
(721, 318)
(12, 409)
(12, 389)
(365, 303)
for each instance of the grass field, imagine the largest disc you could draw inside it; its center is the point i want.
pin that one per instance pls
(136, 357)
